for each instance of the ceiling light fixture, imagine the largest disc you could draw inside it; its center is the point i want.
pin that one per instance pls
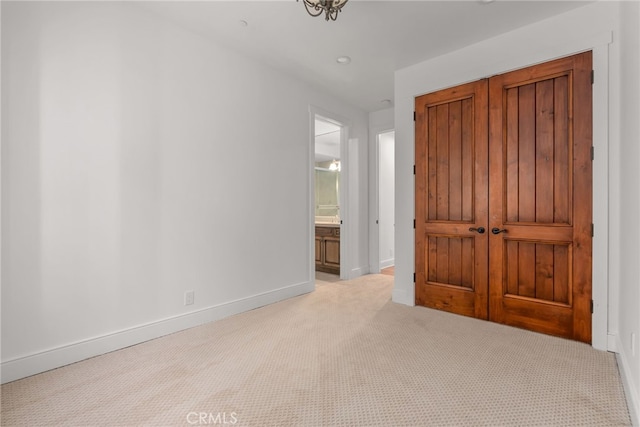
(344, 60)
(331, 8)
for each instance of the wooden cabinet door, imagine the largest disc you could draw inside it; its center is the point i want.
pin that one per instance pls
(540, 198)
(452, 200)
(318, 251)
(332, 252)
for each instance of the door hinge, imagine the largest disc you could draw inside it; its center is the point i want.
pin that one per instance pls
(414, 223)
(414, 277)
(414, 116)
(414, 169)
(593, 230)
(593, 153)
(593, 76)
(591, 303)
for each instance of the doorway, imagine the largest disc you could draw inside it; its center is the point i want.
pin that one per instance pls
(329, 197)
(386, 199)
(503, 198)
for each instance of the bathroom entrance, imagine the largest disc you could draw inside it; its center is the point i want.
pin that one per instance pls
(328, 195)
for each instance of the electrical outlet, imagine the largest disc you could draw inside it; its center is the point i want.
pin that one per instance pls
(189, 297)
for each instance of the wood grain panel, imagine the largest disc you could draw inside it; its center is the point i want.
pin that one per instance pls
(550, 264)
(544, 272)
(513, 275)
(450, 261)
(544, 142)
(432, 166)
(467, 166)
(332, 251)
(318, 251)
(561, 276)
(512, 172)
(526, 269)
(455, 261)
(442, 156)
(432, 260)
(562, 191)
(455, 161)
(467, 269)
(526, 154)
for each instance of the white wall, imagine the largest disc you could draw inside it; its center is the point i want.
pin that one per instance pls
(593, 27)
(133, 162)
(627, 219)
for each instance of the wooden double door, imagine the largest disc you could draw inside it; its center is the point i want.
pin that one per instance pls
(504, 198)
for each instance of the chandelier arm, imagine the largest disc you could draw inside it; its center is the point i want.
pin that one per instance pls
(331, 8)
(309, 6)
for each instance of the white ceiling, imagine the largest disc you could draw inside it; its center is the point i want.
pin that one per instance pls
(379, 36)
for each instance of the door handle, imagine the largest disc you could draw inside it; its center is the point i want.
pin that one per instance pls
(496, 230)
(480, 230)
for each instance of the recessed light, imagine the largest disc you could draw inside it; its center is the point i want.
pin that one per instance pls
(344, 60)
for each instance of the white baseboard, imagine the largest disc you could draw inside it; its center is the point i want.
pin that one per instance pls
(612, 343)
(36, 363)
(630, 390)
(357, 272)
(401, 296)
(387, 263)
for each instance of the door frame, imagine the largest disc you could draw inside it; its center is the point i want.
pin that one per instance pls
(374, 194)
(345, 262)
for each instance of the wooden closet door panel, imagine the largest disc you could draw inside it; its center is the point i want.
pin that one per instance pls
(540, 197)
(451, 199)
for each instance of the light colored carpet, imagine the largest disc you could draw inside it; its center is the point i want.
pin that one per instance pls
(344, 355)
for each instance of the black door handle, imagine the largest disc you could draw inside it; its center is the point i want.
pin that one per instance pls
(496, 230)
(480, 230)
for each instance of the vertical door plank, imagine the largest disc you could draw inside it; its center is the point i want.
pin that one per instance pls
(442, 197)
(562, 190)
(467, 147)
(526, 269)
(544, 151)
(442, 272)
(512, 172)
(468, 269)
(561, 282)
(432, 262)
(455, 261)
(527, 154)
(432, 177)
(455, 161)
(512, 267)
(544, 272)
